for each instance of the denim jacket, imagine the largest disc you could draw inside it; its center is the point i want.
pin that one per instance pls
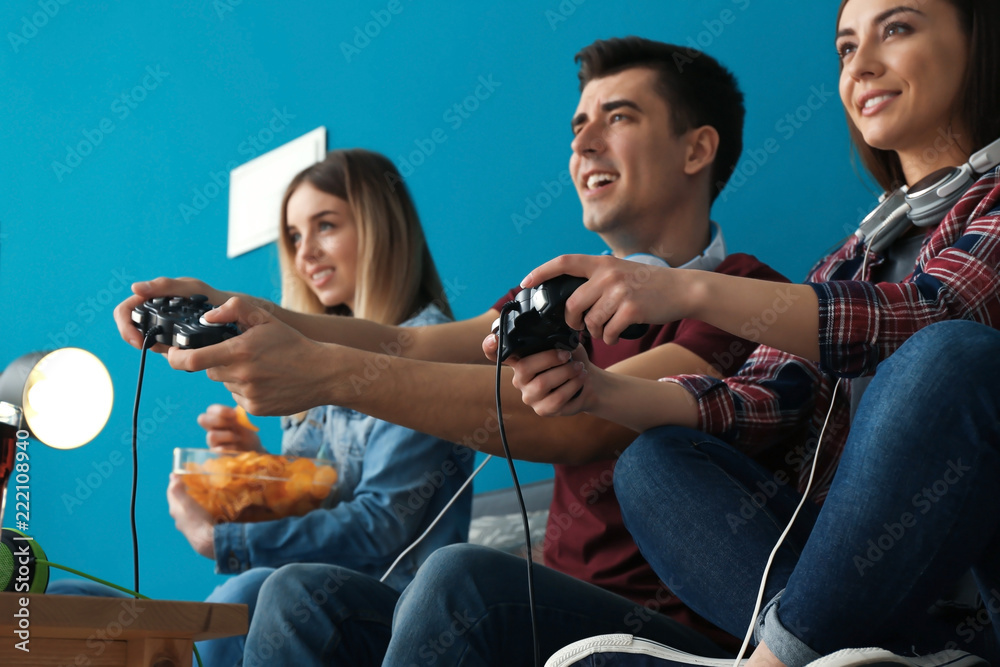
(393, 482)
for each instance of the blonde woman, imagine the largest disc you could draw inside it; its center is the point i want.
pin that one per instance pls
(350, 245)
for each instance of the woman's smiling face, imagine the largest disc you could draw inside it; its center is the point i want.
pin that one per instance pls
(903, 70)
(323, 232)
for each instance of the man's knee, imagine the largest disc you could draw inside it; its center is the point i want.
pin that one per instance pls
(306, 583)
(455, 559)
(462, 574)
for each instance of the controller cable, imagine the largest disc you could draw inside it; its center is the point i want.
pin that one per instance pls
(507, 307)
(429, 528)
(805, 492)
(147, 343)
(520, 499)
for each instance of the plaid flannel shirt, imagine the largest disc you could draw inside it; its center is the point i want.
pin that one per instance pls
(774, 408)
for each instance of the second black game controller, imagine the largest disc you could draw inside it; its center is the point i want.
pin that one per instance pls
(537, 320)
(180, 322)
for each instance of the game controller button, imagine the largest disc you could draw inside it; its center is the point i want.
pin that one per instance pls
(540, 300)
(204, 322)
(181, 339)
(496, 326)
(137, 317)
(199, 298)
(176, 301)
(158, 301)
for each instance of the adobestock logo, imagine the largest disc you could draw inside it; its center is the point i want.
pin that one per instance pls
(535, 204)
(255, 144)
(923, 502)
(121, 108)
(31, 26)
(223, 7)
(91, 308)
(92, 480)
(788, 125)
(455, 115)
(381, 18)
(432, 482)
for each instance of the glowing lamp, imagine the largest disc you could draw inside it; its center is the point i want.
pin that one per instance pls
(65, 395)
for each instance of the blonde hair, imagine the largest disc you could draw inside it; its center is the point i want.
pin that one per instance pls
(396, 274)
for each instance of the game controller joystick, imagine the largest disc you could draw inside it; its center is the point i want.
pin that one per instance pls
(181, 322)
(537, 320)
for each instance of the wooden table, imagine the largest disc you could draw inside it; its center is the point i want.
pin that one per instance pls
(100, 632)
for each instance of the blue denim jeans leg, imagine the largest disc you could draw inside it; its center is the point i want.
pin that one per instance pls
(83, 587)
(706, 517)
(318, 614)
(239, 589)
(468, 605)
(912, 507)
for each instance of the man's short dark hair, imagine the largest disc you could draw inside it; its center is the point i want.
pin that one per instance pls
(698, 90)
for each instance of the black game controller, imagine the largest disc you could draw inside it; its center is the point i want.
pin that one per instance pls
(537, 320)
(181, 322)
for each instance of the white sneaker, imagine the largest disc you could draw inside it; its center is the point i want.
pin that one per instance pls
(629, 650)
(856, 657)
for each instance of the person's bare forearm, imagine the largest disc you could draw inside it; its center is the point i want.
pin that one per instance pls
(349, 331)
(456, 402)
(642, 404)
(780, 315)
(450, 342)
(618, 293)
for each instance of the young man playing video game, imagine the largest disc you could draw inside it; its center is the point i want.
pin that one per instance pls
(657, 133)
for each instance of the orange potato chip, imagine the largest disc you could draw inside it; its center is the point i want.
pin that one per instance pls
(298, 485)
(326, 475)
(244, 419)
(251, 486)
(301, 466)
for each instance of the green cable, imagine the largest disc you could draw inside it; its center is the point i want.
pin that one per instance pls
(92, 578)
(111, 585)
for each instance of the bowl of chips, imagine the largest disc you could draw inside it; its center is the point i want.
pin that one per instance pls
(252, 486)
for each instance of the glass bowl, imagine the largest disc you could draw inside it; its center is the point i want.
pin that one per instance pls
(250, 486)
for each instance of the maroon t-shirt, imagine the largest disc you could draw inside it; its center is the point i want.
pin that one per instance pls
(586, 536)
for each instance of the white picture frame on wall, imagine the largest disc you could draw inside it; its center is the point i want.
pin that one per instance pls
(256, 188)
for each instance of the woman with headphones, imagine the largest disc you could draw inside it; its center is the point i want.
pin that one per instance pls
(900, 502)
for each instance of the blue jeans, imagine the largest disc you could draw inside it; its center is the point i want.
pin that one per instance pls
(466, 606)
(319, 614)
(239, 589)
(913, 506)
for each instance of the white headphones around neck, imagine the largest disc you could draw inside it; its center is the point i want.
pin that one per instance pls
(925, 203)
(708, 260)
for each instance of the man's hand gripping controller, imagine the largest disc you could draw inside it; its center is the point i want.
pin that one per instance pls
(180, 322)
(536, 320)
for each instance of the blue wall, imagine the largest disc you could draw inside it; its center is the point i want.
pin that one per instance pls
(164, 101)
